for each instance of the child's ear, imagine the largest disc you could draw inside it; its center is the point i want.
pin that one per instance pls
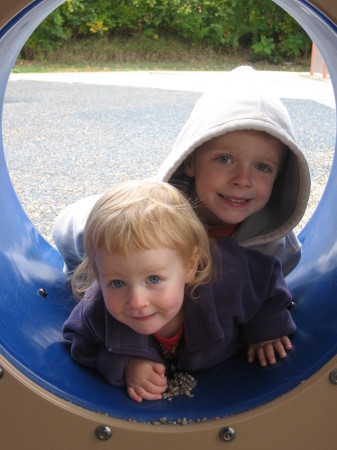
(192, 266)
(189, 166)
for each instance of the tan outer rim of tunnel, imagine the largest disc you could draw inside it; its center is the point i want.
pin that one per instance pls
(327, 7)
(10, 8)
(303, 419)
(34, 419)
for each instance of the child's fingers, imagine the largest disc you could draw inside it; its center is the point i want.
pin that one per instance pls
(159, 368)
(257, 351)
(158, 380)
(251, 353)
(275, 347)
(155, 384)
(269, 354)
(139, 393)
(261, 355)
(286, 342)
(133, 395)
(266, 351)
(149, 389)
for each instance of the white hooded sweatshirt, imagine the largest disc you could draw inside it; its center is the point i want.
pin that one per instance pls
(242, 104)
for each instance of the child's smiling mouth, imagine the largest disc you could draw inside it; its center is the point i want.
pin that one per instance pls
(144, 318)
(236, 201)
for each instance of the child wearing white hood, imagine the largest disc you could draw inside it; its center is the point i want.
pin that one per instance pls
(237, 160)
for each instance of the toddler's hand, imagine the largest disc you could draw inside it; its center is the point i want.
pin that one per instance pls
(145, 379)
(265, 351)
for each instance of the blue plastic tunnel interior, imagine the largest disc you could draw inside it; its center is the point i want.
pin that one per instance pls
(30, 324)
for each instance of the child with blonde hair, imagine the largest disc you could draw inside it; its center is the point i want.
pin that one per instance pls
(155, 294)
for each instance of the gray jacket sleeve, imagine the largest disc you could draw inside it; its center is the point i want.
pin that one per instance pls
(68, 231)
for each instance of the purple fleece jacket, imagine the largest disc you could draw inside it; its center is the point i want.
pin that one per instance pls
(246, 304)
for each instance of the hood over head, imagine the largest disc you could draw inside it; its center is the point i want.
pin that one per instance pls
(243, 104)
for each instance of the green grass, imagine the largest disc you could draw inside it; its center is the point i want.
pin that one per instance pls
(166, 53)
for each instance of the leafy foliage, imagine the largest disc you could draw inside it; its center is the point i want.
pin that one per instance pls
(260, 26)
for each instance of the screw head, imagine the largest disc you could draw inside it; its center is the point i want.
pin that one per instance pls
(43, 292)
(227, 434)
(103, 432)
(291, 306)
(1, 372)
(333, 376)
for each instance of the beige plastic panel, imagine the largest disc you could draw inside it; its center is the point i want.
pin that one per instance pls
(33, 419)
(10, 8)
(328, 7)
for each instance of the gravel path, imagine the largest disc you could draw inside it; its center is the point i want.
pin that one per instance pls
(66, 141)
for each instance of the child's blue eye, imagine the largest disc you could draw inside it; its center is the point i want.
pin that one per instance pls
(153, 279)
(224, 159)
(117, 284)
(263, 167)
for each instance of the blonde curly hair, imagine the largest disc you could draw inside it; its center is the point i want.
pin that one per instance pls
(143, 215)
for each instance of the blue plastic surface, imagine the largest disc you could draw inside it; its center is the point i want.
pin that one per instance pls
(30, 324)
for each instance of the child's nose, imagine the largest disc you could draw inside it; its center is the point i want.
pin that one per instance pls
(136, 298)
(242, 177)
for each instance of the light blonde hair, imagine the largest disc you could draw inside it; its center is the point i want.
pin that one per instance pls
(143, 215)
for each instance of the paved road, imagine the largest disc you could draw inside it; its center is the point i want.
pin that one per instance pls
(71, 135)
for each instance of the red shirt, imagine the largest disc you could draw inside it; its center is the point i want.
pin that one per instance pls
(216, 232)
(169, 345)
